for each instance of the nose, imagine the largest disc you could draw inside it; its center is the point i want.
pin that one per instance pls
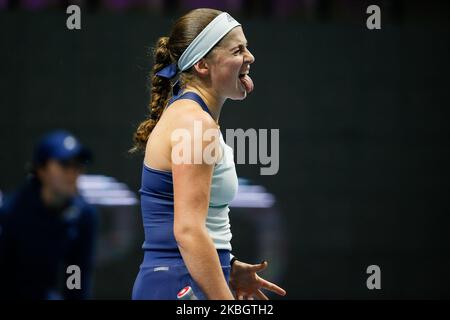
(249, 58)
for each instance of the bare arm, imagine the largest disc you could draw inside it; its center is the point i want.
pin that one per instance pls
(191, 183)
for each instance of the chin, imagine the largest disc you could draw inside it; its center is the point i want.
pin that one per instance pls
(239, 96)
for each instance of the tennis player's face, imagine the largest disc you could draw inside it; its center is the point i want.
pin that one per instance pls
(231, 64)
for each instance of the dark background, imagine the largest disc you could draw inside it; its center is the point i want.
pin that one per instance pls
(362, 115)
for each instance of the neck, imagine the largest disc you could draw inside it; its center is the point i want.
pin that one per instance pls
(212, 100)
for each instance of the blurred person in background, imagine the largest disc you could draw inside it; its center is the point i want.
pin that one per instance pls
(46, 226)
(185, 205)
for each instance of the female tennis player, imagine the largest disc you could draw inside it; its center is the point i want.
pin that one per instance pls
(185, 203)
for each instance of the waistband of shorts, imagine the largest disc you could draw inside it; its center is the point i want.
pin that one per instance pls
(173, 257)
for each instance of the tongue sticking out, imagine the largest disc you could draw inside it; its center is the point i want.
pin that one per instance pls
(247, 82)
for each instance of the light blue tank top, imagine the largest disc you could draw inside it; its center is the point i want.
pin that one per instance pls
(157, 198)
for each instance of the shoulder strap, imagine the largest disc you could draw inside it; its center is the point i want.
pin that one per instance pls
(190, 96)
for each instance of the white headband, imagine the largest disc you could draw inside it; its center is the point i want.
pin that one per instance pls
(206, 40)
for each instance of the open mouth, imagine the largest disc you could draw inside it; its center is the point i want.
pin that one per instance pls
(243, 74)
(246, 82)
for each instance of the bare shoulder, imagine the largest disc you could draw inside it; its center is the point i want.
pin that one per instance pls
(194, 134)
(185, 113)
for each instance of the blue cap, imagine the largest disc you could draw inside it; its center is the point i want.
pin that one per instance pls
(62, 146)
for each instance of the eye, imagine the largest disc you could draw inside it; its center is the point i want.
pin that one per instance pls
(241, 49)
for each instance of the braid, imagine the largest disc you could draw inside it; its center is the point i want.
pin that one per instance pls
(159, 94)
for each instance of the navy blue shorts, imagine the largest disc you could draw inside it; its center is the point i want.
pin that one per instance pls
(163, 274)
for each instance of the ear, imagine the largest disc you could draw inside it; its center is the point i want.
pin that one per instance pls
(202, 67)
